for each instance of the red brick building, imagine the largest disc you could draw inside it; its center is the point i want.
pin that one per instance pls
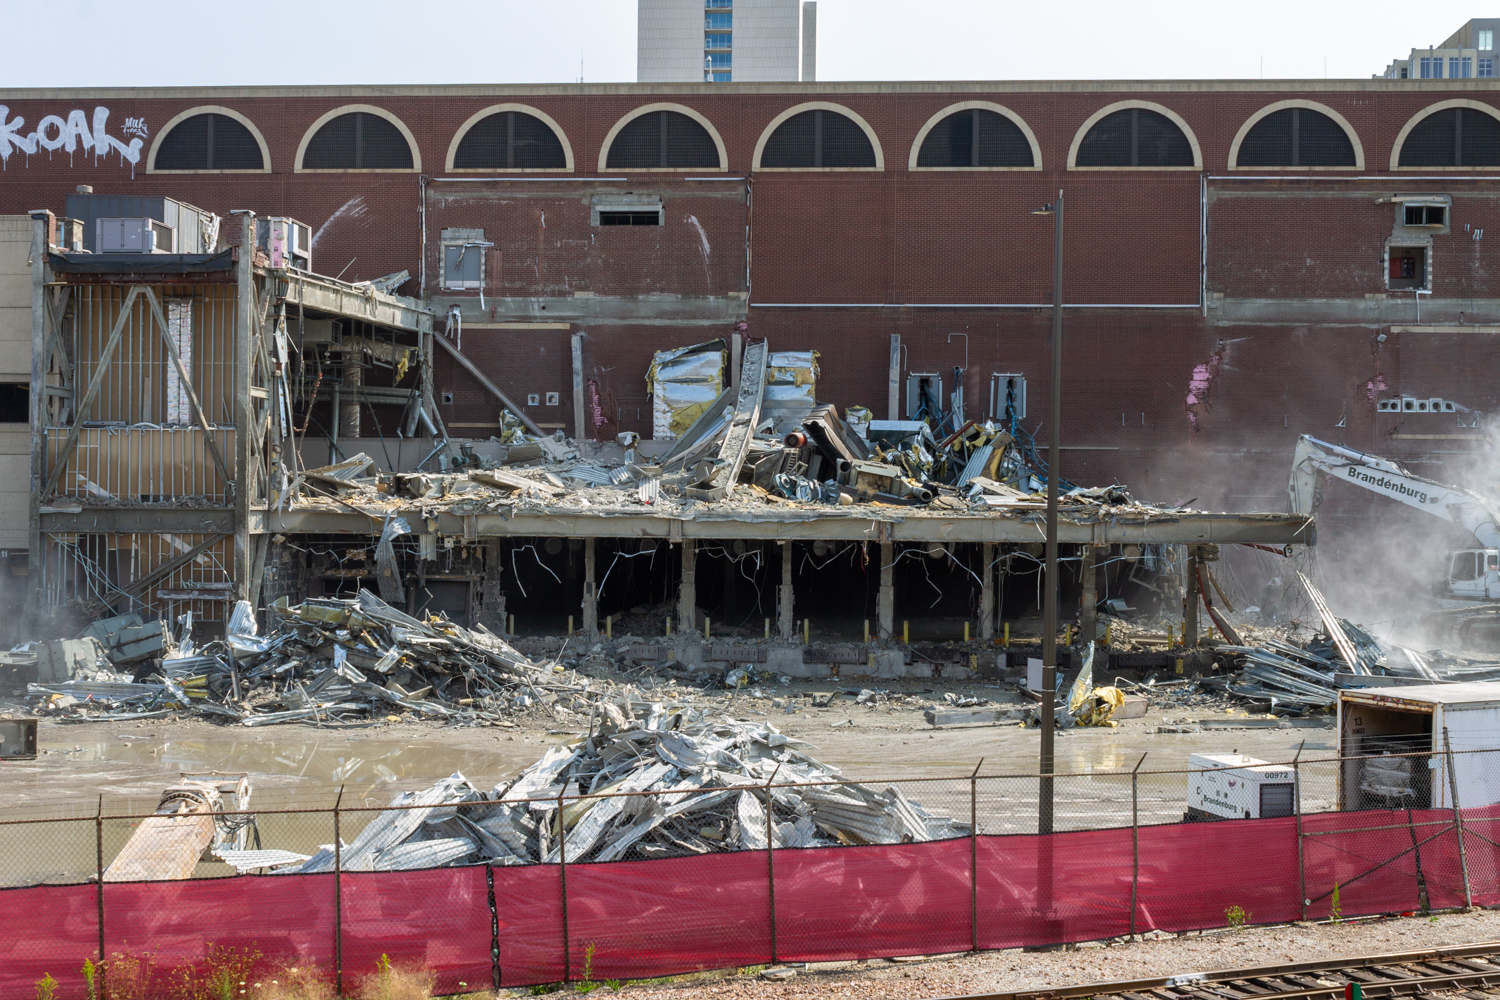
(1241, 262)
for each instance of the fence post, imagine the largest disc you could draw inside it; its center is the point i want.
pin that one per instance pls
(1458, 819)
(1135, 840)
(99, 865)
(338, 896)
(974, 855)
(771, 863)
(562, 874)
(1297, 804)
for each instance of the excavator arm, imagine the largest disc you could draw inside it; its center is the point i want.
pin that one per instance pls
(1315, 461)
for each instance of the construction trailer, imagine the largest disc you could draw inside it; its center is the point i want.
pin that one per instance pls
(173, 389)
(1394, 742)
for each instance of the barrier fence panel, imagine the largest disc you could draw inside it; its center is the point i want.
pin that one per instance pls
(959, 866)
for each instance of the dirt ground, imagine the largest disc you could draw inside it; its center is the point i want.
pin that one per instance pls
(1014, 969)
(301, 765)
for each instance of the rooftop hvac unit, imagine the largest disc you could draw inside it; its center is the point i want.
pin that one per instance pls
(134, 236)
(286, 241)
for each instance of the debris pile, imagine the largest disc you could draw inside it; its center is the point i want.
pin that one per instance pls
(329, 661)
(681, 784)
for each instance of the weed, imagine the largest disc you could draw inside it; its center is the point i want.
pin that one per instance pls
(294, 983)
(1335, 909)
(587, 984)
(46, 987)
(614, 984)
(127, 976)
(1432, 919)
(91, 977)
(1236, 916)
(396, 982)
(542, 989)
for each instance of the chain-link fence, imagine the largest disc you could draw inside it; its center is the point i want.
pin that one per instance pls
(668, 882)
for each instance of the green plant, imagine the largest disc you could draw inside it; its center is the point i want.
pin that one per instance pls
(127, 976)
(614, 984)
(91, 977)
(225, 973)
(1236, 917)
(1432, 919)
(587, 984)
(390, 981)
(1335, 909)
(542, 989)
(295, 983)
(46, 987)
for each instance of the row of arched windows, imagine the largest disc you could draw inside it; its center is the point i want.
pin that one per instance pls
(971, 135)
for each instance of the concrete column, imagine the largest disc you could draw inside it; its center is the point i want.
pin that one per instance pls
(1190, 600)
(893, 385)
(885, 604)
(987, 593)
(349, 408)
(491, 596)
(785, 624)
(687, 594)
(580, 403)
(590, 594)
(1088, 615)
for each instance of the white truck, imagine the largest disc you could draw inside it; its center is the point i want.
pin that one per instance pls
(1233, 786)
(1469, 574)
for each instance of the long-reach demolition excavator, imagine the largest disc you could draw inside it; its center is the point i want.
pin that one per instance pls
(1471, 574)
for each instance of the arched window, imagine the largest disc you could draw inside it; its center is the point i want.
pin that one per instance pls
(1453, 137)
(818, 138)
(511, 140)
(358, 140)
(1135, 137)
(1296, 137)
(662, 140)
(976, 137)
(209, 141)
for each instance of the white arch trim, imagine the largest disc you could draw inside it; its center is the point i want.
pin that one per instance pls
(853, 116)
(1110, 109)
(206, 109)
(312, 130)
(1430, 109)
(524, 109)
(1322, 109)
(953, 109)
(646, 109)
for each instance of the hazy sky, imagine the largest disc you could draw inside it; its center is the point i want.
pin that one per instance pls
(198, 43)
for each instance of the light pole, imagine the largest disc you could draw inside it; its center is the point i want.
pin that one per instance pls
(1049, 602)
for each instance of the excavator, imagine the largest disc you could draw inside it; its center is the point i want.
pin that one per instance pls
(1471, 574)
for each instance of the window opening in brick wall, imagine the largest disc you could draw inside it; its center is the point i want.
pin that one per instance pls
(510, 140)
(662, 139)
(358, 141)
(627, 218)
(209, 141)
(15, 402)
(975, 137)
(1135, 137)
(818, 139)
(1296, 137)
(1408, 267)
(1424, 215)
(1453, 137)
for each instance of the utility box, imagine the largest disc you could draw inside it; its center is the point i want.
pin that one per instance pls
(134, 236)
(1233, 786)
(287, 242)
(17, 739)
(1392, 740)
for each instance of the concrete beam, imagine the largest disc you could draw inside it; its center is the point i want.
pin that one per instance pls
(343, 299)
(1178, 529)
(786, 625)
(124, 521)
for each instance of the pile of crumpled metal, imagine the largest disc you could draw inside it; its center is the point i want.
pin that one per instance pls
(708, 782)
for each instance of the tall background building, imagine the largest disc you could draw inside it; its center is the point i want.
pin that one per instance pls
(748, 41)
(1468, 52)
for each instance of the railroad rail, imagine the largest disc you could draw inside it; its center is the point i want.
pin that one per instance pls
(1471, 971)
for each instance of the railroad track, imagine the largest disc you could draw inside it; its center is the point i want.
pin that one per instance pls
(1471, 971)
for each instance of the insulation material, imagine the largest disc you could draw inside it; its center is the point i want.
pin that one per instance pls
(682, 384)
(791, 388)
(180, 332)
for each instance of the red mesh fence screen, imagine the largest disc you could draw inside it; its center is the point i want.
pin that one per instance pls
(46, 930)
(438, 919)
(1036, 890)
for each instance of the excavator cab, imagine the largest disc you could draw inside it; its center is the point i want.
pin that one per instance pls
(1474, 574)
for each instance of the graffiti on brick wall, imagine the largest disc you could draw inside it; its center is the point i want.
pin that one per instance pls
(71, 134)
(1201, 385)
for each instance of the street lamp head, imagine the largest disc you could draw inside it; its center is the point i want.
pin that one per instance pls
(1044, 210)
